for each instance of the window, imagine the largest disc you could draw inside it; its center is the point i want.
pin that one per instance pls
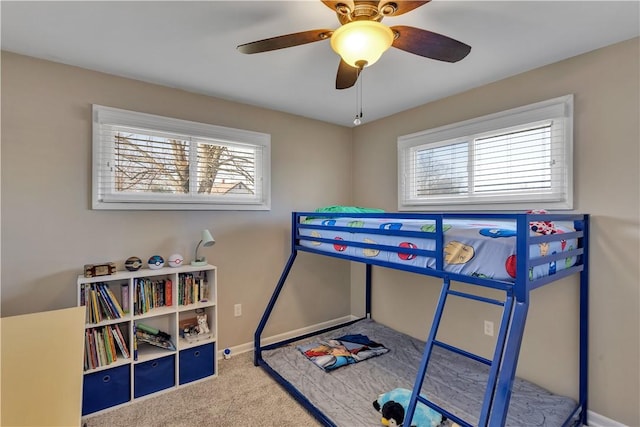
(142, 161)
(516, 159)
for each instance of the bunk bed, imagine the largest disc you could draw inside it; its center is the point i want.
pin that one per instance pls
(513, 253)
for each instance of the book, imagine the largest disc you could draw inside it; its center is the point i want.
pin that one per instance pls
(88, 363)
(153, 295)
(116, 339)
(105, 305)
(168, 293)
(124, 341)
(85, 361)
(99, 343)
(104, 346)
(135, 296)
(189, 291)
(135, 342)
(124, 297)
(148, 295)
(143, 297)
(119, 339)
(84, 300)
(140, 297)
(204, 290)
(114, 301)
(112, 344)
(93, 363)
(107, 346)
(83, 296)
(96, 317)
(186, 289)
(196, 291)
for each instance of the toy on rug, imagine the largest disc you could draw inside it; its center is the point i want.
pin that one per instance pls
(393, 405)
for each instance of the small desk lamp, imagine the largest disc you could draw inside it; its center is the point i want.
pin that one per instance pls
(207, 240)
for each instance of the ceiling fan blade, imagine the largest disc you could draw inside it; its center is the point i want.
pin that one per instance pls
(400, 6)
(347, 75)
(288, 40)
(428, 44)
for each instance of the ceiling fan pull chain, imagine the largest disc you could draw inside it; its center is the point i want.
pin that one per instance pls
(360, 89)
(358, 120)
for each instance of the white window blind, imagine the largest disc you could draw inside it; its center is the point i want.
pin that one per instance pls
(513, 162)
(151, 162)
(517, 159)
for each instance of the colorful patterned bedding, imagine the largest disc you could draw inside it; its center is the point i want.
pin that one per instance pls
(483, 248)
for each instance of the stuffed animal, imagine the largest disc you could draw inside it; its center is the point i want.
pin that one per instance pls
(542, 227)
(393, 405)
(203, 328)
(392, 414)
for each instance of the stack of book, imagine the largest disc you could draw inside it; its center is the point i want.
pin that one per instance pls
(102, 346)
(101, 303)
(149, 294)
(155, 337)
(192, 289)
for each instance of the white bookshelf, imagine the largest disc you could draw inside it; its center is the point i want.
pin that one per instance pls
(150, 369)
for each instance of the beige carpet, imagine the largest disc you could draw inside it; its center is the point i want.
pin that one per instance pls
(241, 395)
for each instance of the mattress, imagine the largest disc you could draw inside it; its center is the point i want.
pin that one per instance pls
(482, 248)
(453, 382)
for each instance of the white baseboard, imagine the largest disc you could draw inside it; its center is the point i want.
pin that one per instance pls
(597, 420)
(243, 348)
(594, 419)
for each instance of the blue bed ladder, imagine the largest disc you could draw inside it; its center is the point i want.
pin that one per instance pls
(502, 369)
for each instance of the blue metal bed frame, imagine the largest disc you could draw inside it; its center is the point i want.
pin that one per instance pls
(515, 304)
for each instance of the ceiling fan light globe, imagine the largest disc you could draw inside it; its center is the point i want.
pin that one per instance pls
(361, 41)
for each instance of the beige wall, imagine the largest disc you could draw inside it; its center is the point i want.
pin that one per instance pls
(606, 169)
(49, 231)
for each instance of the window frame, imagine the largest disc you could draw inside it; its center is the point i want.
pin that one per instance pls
(199, 133)
(558, 111)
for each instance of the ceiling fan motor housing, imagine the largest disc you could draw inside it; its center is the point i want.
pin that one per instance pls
(365, 10)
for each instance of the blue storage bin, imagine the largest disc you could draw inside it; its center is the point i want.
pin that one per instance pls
(105, 389)
(197, 362)
(154, 375)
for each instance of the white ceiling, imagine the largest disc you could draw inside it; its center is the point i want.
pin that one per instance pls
(192, 45)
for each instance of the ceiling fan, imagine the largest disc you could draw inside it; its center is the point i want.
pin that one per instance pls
(361, 39)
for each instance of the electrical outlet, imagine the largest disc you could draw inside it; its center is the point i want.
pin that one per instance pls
(488, 328)
(237, 310)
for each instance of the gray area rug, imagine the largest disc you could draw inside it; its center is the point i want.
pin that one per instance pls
(241, 395)
(452, 382)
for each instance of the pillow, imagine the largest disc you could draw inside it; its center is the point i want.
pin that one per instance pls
(348, 209)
